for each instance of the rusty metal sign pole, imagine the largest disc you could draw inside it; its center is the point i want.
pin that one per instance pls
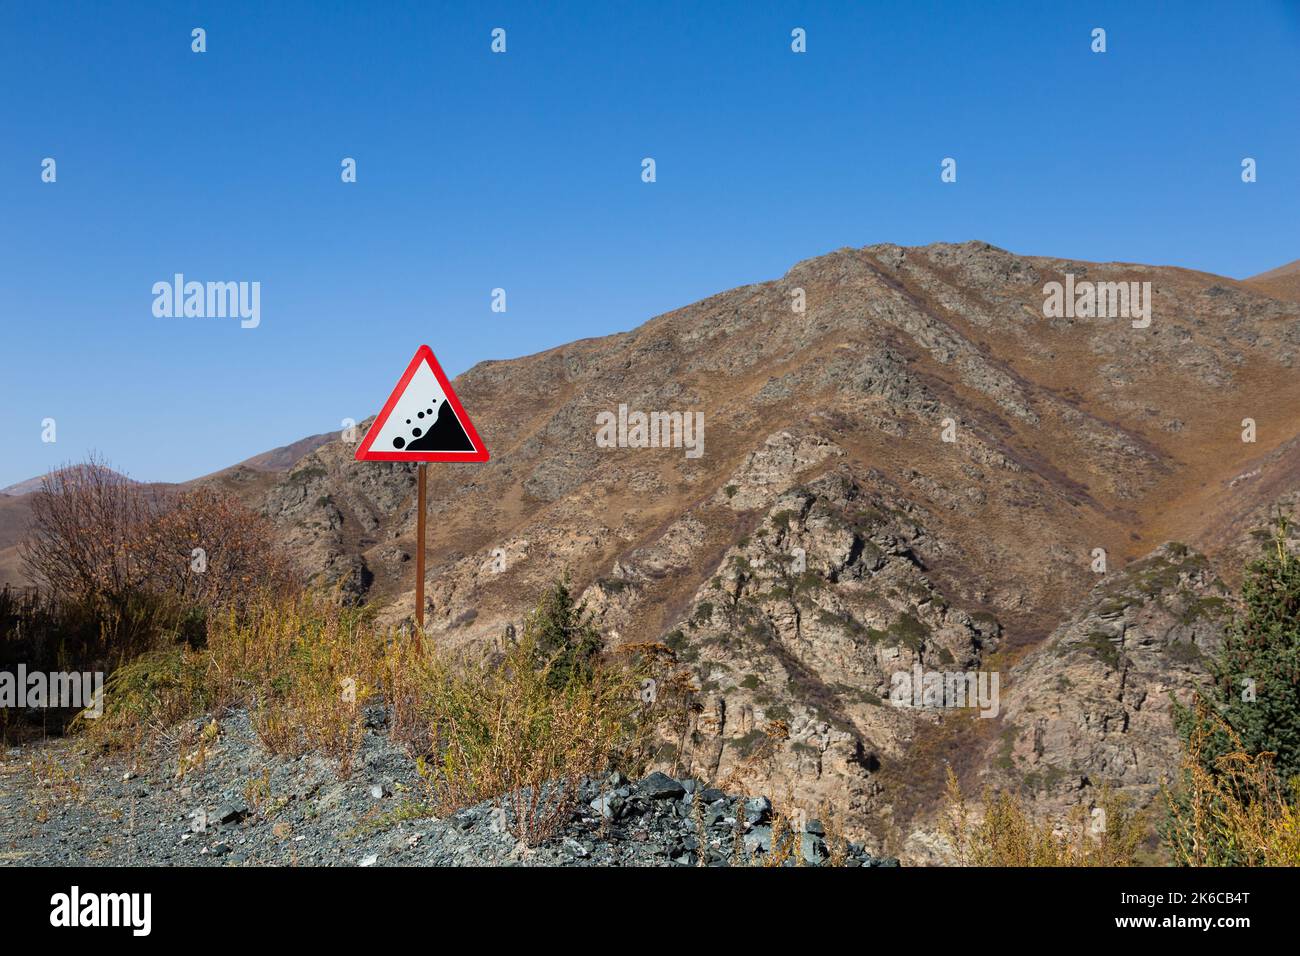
(422, 421)
(419, 560)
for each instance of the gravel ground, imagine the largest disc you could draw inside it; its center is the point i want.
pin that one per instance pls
(244, 807)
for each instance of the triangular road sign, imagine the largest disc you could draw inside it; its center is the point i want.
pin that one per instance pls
(422, 420)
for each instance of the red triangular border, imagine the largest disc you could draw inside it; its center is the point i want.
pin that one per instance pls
(422, 354)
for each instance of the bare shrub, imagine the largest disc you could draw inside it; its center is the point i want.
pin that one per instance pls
(238, 549)
(88, 532)
(98, 536)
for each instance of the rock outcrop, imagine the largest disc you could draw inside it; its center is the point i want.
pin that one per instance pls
(915, 469)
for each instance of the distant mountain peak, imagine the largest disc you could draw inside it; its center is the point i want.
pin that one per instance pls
(34, 484)
(1281, 283)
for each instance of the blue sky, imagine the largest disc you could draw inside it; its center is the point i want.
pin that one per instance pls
(522, 171)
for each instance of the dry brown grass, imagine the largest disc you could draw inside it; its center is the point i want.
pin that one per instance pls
(305, 668)
(301, 666)
(837, 844)
(1238, 811)
(1006, 835)
(670, 702)
(505, 731)
(787, 844)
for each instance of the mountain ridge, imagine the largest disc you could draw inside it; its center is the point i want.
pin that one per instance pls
(830, 538)
(1282, 282)
(824, 433)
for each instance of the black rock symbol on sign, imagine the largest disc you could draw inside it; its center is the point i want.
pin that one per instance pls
(428, 434)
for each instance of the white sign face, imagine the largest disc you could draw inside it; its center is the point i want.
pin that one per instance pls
(423, 420)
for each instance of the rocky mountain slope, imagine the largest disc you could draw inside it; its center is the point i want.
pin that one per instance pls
(1281, 283)
(918, 469)
(829, 538)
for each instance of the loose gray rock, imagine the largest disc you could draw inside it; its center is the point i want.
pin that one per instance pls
(232, 811)
(813, 849)
(759, 840)
(660, 786)
(314, 817)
